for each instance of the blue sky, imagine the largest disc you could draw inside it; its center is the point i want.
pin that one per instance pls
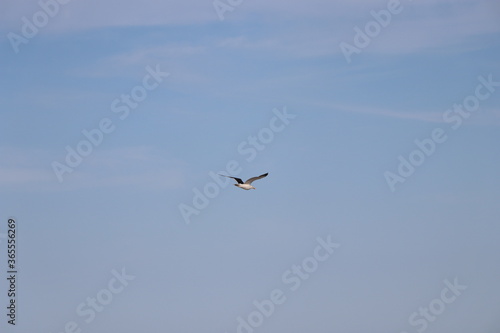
(267, 88)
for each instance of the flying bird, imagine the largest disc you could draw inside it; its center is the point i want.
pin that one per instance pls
(248, 184)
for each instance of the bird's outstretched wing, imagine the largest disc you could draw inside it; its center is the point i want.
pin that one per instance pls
(250, 180)
(237, 179)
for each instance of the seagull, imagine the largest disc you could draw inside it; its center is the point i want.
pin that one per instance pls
(248, 184)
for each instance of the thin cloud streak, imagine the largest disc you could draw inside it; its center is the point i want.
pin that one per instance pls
(430, 117)
(132, 167)
(485, 116)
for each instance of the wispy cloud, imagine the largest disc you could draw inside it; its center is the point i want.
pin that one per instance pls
(433, 26)
(440, 26)
(133, 61)
(425, 116)
(94, 14)
(434, 19)
(131, 167)
(485, 116)
(23, 175)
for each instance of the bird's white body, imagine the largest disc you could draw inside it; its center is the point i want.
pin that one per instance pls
(245, 186)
